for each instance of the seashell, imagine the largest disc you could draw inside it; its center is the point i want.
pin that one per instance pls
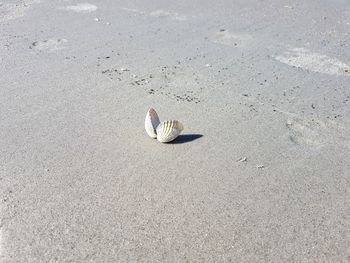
(169, 130)
(151, 123)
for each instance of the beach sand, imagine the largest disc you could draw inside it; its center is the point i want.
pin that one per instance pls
(261, 173)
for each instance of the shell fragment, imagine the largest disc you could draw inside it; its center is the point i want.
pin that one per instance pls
(151, 123)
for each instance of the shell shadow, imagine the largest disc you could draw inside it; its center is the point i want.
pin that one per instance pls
(184, 138)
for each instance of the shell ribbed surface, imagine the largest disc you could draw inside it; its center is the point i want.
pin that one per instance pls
(168, 131)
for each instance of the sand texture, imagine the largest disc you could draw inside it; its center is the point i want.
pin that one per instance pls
(261, 172)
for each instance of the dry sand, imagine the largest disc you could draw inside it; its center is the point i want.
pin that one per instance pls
(261, 173)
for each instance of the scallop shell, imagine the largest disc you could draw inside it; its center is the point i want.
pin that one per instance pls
(169, 130)
(151, 123)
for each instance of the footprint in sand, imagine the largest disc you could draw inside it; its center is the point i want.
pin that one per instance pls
(82, 8)
(224, 37)
(307, 60)
(158, 13)
(16, 9)
(171, 15)
(51, 44)
(303, 132)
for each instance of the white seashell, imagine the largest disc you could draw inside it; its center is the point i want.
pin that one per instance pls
(169, 130)
(151, 123)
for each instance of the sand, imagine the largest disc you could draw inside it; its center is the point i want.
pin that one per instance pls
(261, 173)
